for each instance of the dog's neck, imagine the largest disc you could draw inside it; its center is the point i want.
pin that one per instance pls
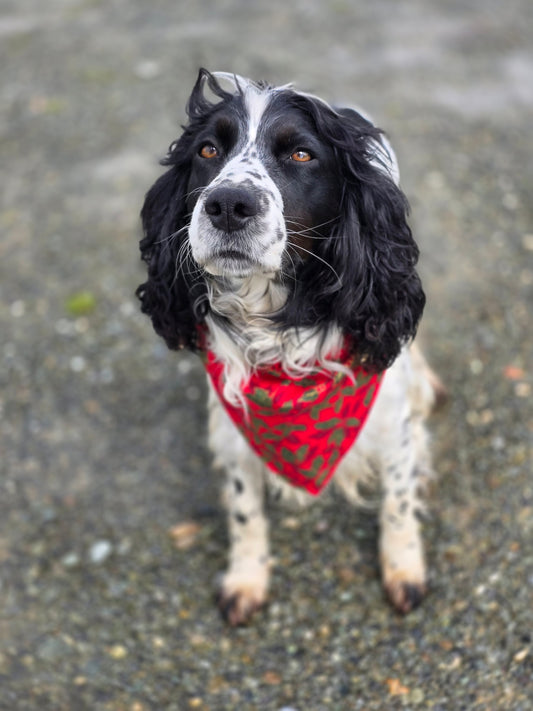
(244, 336)
(247, 302)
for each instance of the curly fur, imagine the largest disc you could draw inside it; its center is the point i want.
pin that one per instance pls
(371, 290)
(283, 241)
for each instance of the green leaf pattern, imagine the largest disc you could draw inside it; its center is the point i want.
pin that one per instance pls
(303, 427)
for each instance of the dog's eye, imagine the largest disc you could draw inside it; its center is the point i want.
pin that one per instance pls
(208, 151)
(301, 156)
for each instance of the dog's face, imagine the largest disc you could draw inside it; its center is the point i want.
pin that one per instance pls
(270, 181)
(263, 185)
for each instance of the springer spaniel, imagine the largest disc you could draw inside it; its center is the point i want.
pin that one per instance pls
(278, 249)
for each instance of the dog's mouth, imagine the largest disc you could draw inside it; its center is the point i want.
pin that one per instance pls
(231, 262)
(232, 255)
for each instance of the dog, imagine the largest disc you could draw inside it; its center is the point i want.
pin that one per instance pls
(278, 249)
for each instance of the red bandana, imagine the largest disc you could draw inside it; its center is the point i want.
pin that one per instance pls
(301, 427)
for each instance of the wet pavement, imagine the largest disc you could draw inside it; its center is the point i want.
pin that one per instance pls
(111, 531)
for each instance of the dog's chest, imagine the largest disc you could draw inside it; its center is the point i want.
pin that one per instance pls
(301, 427)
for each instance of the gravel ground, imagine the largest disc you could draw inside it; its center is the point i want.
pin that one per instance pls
(111, 532)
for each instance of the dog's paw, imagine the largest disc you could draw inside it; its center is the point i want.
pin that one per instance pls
(404, 575)
(404, 594)
(239, 596)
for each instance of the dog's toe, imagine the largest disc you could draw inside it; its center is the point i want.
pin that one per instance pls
(239, 608)
(238, 598)
(405, 596)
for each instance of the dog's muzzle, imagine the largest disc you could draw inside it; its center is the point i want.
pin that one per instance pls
(231, 208)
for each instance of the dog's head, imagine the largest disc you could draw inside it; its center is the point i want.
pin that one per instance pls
(270, 181)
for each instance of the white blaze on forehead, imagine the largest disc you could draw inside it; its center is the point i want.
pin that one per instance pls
(256, 102)
(256, 99)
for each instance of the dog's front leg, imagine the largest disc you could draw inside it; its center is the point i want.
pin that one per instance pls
(243, 587)
(401, 547)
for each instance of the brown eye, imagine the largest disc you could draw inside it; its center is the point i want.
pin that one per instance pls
(208, 151)
(301, 156)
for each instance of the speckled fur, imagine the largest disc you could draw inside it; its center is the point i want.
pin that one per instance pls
(279, 233)
(391, 455)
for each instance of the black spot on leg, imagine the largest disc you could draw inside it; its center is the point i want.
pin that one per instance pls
(420, 515)
(241, 518)
(393, 470)
(277, 495)
(406, 432)
(239, 486)
(395, 521)
(403, 507)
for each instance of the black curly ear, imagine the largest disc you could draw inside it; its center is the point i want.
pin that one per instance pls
(174, 295)
(371, 290)
(173, 291)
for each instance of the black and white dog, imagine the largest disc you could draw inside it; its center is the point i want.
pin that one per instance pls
(278, 249)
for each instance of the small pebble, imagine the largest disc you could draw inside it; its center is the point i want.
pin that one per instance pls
(476, 366)
(291, 522)
(18, 309)
(185, 534)
(70, 560)
(100, 551)
(128, 308)
(417, 696)
(78, 364)
(527, 242)
(193, 393)
(510, 201)
(118, 651)
(521, 655)
(184, 366)
(522, 390)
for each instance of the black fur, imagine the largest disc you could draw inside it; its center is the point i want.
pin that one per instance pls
(372, 291)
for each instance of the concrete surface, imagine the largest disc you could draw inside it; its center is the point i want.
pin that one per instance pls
(111, 532)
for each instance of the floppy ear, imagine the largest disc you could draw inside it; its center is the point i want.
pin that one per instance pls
(174, 295)
(372, 290)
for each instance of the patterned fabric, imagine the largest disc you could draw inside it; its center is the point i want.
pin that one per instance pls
(301, 427)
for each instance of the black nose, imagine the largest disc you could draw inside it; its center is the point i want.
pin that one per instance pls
(230, 208)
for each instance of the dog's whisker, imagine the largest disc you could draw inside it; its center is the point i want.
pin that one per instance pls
(320, 259)
(171, 237)
(308, 228)
(195, 191)
(184, 257)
